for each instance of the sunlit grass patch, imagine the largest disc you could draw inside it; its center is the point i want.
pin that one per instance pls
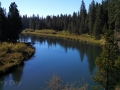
(86, 38)
(14, 53)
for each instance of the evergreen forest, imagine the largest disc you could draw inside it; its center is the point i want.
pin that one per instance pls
(99, 18)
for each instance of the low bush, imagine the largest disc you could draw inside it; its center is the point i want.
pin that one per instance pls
(55, 83)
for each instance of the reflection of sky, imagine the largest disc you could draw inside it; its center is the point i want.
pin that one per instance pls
(51, 59)
(67, 65)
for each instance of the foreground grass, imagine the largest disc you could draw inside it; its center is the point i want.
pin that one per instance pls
(66, 35)
(13, 55)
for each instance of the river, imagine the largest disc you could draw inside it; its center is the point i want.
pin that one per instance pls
(71, 60)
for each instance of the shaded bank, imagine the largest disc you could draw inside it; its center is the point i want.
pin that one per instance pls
(13, 55)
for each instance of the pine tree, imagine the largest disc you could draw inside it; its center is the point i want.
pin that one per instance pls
(114, 15)
(98, 22)
(2, 24)
(83, 15)
(25, 22)
(92, 17)
(65, 23)
(104, 15)
(74, 20)
(107, 63)
(14, 23)
(111, 13)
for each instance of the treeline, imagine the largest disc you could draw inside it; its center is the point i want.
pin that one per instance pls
(10, 23)
(99, 18)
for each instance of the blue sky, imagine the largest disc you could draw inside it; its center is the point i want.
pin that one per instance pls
(46, 7)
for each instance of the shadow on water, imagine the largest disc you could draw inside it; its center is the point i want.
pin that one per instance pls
(1, 82)
(17, 74)
(11, 79)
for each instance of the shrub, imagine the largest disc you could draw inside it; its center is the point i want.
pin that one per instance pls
(55, 83)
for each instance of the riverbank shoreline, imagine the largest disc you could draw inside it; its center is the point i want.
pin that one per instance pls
(85, 38)
(14, 58)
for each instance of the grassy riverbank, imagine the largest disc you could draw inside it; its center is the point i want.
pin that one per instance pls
(13, 55)
(66, 35)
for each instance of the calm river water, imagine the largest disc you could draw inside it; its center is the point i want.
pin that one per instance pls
(70, 60)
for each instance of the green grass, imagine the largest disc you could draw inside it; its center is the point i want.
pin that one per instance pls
(66, 35)
(13, 54)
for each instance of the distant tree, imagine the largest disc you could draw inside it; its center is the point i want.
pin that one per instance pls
(48, 22)
(92, 16)
(111, 19)
(30, 23)
(2, 24)
(70, 27)
(65, 23)
(74, 21)
(114, 14)
(37, 22)
(14, 23)
(83, 15)
(104, 15)
(98, 22)
(33, 24)
(25, 22)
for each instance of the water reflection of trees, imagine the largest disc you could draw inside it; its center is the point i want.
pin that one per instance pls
(17, 74)
(90, 51)
(1, 82)
(16, 77)
(24, 38)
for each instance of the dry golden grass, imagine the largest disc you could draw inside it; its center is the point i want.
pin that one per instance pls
(12, 54)
(66, 35)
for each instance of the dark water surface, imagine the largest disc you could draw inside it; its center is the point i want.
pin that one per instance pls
(71, 60)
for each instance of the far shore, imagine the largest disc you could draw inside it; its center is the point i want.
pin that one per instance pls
(65, 35)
